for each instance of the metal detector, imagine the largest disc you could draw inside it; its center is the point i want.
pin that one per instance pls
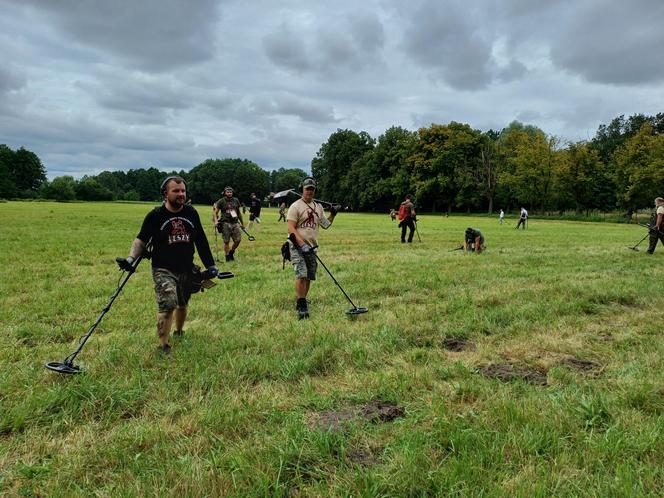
(216, 243)
(67, 366)
(249, 236)
(417, 232)
(285, 193)
(354, 310)
(636, 247)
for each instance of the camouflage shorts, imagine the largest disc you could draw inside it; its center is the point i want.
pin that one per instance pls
(230, 230)
(305, 265)
(173, 290)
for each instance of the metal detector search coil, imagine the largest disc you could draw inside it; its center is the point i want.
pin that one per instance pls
(67, 366)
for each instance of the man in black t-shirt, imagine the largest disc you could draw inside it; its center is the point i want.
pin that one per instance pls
(254, 210)
(173, 229)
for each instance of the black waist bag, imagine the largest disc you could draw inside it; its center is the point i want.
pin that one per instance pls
(285, 254)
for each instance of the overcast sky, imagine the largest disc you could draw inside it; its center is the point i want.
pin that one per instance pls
(92, 85)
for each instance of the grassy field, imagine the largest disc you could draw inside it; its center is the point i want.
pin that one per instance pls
(534, 369)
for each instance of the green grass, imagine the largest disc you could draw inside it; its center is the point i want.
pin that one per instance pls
(230, 414)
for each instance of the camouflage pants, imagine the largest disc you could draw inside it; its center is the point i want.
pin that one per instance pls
(172, 290)
(230, 230)
(305, 265)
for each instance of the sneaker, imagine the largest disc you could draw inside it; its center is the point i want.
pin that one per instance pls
(302, 314)
(178, 333)
(164, 350)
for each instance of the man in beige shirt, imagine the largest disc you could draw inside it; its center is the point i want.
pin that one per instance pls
(657, 225)
(304, 218)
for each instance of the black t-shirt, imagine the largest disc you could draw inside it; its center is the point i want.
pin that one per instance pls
(255, 207)
(173, 238)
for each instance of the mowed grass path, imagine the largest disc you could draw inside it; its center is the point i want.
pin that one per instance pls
(233, 411)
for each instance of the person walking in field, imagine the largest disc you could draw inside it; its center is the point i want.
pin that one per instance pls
(173, 230)
(523, 219)
(305, 216)
(656, 225)
(228, 220)
(501, 217)
(407, 219)
(473, 240)
(282, 212)
(254, 210)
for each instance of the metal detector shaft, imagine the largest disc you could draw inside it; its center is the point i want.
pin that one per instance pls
(284, 193)
(216, 242)
(70, 359)
(639, 242)
(417, 232)
(335, 280)
(249, 236)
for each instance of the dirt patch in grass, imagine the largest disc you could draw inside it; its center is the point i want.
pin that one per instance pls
(364, 457)
(457, 345)
(581, 364)
(509, 373)
(375, 412)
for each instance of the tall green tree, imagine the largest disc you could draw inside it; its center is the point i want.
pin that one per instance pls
(7, 185)
(531, 161)
(639, 169)
(208, 180)
(283, 179)
(444, 159)
(334, 160)
(89, 189)
(382, 176)
(27, 172)
(62, 188)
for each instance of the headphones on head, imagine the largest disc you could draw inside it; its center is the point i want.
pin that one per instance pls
(177, 178)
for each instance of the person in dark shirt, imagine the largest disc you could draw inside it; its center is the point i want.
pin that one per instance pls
(228, 220)
(254, 210)
(282, 212)
(473, 240)
(407, 219)
(173, 230)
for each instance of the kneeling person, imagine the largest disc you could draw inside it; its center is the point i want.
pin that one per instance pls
(304, 217)
(473, 240)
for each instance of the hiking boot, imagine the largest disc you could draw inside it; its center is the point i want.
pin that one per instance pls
(228, 258)
(178, 333)
(302, 308)
(231, 256)
(164, 350)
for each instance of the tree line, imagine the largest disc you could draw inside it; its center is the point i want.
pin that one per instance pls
(447, 167)
(454, 167)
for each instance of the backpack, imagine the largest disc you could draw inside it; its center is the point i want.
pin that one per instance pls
(285, 254)
(402, 212)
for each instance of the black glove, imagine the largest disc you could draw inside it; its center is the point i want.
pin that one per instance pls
(334, 208)
(210, 273)
(126, 264)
